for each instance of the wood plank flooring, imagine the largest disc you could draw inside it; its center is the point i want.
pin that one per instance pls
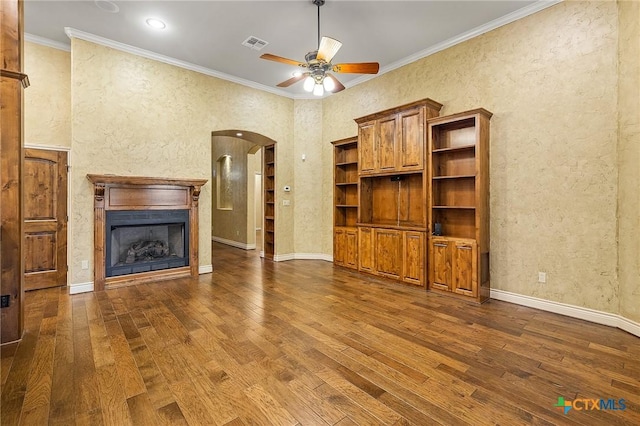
(304, 342)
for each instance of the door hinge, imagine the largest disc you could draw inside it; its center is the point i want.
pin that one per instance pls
(68, 168)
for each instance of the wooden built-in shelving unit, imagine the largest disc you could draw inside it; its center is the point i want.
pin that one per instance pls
(391, 206)
(345, 201)
(411, 198)
(458, 147)
(269, 182)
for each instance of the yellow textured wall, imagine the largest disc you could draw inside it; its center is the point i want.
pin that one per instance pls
(47, 112)
(135, 116)
(551, 81)
(307, 192)
(629, 159)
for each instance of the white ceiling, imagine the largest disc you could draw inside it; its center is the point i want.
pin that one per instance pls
(208, 34)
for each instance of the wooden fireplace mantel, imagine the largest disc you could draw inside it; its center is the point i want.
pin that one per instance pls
(112, 192)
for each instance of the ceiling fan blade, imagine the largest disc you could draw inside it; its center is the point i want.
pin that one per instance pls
(328, 49)
(292, 80)
(338, 86)
(270, 57)
(359, 68)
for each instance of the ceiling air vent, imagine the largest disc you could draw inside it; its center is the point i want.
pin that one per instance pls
(254, 43)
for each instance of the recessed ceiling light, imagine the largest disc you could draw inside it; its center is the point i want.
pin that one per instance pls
(156, 23)
(239, 134)
(107, 6)
(297, 73)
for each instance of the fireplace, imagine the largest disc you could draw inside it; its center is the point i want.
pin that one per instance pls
(145, 229)
(143, 241)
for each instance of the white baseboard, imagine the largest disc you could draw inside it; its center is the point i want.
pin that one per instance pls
(592, 315)
(205, 269)
(302, 256)
(234, 243)
(81, 288)
(629, 326)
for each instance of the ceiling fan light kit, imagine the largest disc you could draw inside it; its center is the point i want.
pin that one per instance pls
(318, 63)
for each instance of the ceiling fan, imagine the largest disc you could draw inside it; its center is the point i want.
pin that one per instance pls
(318, 64)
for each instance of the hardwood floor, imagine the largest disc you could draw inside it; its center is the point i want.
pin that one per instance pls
(302, 342)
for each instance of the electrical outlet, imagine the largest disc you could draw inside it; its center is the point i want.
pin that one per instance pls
(542, 277)
(5, 299)
(286, 202)
(85, 264)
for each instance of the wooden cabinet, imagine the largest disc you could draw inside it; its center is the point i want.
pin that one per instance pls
(367, 149)
(413, 265)
(345, 247)
(269, 177)
(393, 140)
(388, 253)
(345, 202)
(453, 266)
(458, 169)
(366, 259)
(392, 253)
(392, 202)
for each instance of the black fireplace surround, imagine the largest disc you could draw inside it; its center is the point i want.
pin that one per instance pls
(145, 240)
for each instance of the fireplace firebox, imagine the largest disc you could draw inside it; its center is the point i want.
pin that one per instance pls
(143, 241)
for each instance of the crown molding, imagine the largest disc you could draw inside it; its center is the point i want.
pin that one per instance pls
(485, 28)
(46, 42)
(73, 33)
(489, 26)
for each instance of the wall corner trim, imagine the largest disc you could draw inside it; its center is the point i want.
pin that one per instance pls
(81, 288)
(591, 315)
(205, 269)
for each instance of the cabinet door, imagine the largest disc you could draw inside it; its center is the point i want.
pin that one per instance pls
(339, 240)
(367, 148)
(414, 258)
(388, 243)
(440, 265)
(464, 266)
(351, 249)
(365, 250)
(387, 149)
(411, 140)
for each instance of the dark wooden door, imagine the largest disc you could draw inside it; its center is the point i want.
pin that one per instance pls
(45, 219)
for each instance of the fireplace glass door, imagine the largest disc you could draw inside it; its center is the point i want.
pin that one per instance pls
(144, 241)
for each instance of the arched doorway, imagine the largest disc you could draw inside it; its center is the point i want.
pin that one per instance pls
(237, 213)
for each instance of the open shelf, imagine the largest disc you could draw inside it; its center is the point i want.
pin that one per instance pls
(393, 199)
(345, 175)
(269, 179)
